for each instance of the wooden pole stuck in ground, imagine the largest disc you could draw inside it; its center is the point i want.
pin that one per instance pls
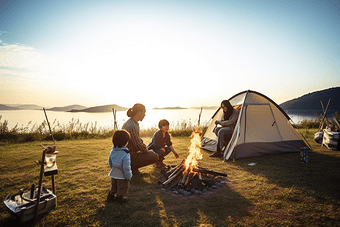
(49, 126)
(39, 186)
(42, 173)
(324, 116)
(199, 118)
(114, 112)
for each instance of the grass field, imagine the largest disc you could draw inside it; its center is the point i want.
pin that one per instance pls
(278, 191)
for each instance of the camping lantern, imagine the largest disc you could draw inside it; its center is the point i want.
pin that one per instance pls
(50, 168)
(304, 155)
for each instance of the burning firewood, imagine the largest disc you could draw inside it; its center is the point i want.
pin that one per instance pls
(206, 171)
(174, 175)
(187, 177)
(174, 183)
(183, 179)
(173, 169)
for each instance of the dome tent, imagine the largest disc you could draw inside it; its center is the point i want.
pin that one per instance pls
(262, 128)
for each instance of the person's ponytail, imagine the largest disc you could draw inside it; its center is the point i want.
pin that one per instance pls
(135, 109)
(129, 112)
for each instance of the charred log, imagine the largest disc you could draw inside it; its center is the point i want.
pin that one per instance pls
(206, 171)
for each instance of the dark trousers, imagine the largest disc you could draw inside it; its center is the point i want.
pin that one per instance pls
(160, 153)
(223, 133)
(143, 159)
(119, 186)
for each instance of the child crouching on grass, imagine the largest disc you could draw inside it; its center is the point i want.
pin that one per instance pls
(120, 164)
(161, 143)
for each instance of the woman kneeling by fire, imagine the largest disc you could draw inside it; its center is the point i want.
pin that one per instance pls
(225, 131)
(140, 155)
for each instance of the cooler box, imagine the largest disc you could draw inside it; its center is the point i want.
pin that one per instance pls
(25, 210)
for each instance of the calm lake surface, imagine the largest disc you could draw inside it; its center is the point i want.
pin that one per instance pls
(24, 118)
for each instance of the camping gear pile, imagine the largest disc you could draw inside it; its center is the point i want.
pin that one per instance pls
(328, 133)
(262, 128)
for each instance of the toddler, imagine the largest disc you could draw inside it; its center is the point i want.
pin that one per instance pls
(120, 164)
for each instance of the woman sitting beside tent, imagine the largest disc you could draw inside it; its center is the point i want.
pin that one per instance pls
(225, 131)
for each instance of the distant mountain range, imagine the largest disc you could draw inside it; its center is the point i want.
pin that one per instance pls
(7, 107)
(68, 108)
(20, 107)
(306, 103)
(71, 108)
(311, 101)
(106, 108)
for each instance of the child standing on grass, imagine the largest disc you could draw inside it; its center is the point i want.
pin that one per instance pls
(161, 143)
(120, 164)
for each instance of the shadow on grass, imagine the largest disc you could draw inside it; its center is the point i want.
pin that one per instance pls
(149, 205)
(13, 221)
(320, 178)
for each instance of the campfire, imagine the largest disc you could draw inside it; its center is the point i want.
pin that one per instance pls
(187, 177)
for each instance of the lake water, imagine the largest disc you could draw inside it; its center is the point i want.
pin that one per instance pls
(175, 117)
(105, 120)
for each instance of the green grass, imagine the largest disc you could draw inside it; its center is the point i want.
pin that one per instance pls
(278, 191)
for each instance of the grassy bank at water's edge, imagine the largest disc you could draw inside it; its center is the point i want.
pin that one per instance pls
(76, 130)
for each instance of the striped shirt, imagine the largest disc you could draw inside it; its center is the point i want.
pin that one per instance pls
(135, 143)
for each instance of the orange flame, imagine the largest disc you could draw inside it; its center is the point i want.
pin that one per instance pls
(194, 151)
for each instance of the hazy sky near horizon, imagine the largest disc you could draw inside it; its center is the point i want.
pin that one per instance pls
(165, 53)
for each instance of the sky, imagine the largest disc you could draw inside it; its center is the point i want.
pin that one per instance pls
(165, 53)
